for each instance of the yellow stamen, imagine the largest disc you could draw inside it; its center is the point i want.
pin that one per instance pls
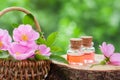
(17, 53)
(24, 37)
(37, 52)
(1, 44)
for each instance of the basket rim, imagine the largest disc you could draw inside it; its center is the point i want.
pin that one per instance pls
(9, 9)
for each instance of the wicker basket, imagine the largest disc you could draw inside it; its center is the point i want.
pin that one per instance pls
(23, 70)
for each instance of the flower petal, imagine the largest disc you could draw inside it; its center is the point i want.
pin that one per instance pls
(110, 50)
(33, 36)
(16, 34)
(107, 49)
(5, 39)
(16, 47)
(25, 33)
(21, 52)
(23, 56)
(115, 59)
(24, 28)
(44, 50)
(103, 47)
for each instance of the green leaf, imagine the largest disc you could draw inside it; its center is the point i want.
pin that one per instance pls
(58, 58)
(41, 57)
(28, 19)
(4, 54)
(41, 41)
(15, 25)
(32, 59)
(55, 49)
(51, 38)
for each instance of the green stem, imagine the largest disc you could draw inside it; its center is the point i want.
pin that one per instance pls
(103, 62)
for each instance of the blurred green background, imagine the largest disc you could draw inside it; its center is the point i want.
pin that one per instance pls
(71, 18)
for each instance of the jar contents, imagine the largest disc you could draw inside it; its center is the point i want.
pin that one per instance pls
(74, 54)
(75, 59)
(87, 49)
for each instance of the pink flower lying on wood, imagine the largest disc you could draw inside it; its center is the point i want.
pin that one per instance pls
(44, 50)
(21, 52)
(5, 39)
(25, 34)
(107, 49)
(115, 59)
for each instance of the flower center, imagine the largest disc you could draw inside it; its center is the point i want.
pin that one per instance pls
(37, 52)
(17, 53)
(24, 37)
(1, 44)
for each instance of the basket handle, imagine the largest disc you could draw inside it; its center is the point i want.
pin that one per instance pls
(22, 10)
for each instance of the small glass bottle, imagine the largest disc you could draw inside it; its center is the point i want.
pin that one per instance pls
(74, 55)
(87, 49)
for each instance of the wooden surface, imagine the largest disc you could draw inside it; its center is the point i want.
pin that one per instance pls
(60, 71)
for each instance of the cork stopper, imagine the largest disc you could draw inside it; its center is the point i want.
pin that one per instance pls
(75, 43)
(87, 41)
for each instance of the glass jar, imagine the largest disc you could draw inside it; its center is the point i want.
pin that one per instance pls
(87, 49)
(74, 54)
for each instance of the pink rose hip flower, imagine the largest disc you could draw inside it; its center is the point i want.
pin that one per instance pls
(107, 49)
(20, 52)
(25, 34)
(115, 59)
(5, 39)
(110, 56)
(44, 50)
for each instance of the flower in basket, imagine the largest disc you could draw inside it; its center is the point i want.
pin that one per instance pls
(28, 44)
(5, 39)
(24, 34)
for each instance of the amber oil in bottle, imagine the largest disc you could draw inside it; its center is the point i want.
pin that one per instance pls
(74, 54)
(87, 49)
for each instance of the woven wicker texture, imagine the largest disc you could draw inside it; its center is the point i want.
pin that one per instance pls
(24, 70)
